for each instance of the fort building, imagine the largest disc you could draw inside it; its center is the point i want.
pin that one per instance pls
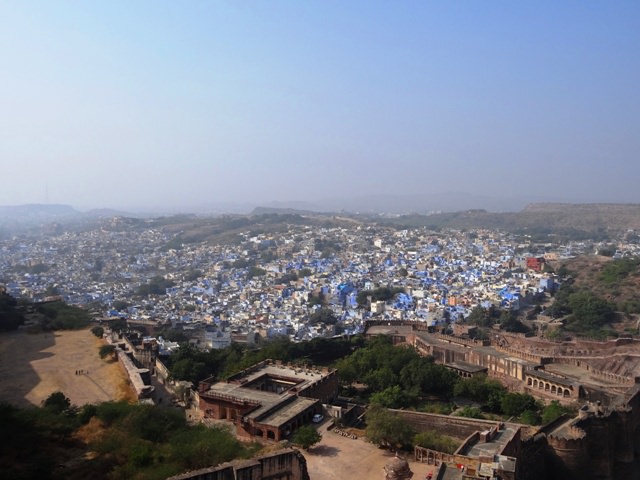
(269, 400)
(602, 377)
(570, 372)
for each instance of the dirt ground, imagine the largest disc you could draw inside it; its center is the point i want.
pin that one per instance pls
(341, 457)
(32, 366)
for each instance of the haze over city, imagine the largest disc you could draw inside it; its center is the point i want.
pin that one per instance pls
(188, 105)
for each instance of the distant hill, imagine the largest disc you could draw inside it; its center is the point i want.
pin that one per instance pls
(402, 204)
(52, 218)
(227, 228)
(574, 220)
(36, 211)
(627, 208)
(283, 211)
(617, 281)
(595, 221)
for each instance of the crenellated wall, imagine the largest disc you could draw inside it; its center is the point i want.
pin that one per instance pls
(600, 443)
(572, 451)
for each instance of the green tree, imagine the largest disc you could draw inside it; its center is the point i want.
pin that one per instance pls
(590, 311)
(98, 264)
(483, 390)
(202, 446)
(98, 331)
(380, 378)
(319, 299)
(394, 397)
(560, 306)
(553, 411)
(514, 404)
(510, 323)
(305, 272)
(107, 351)
(386, 428)
(480, 317)
(60, 316)
(119, 305)
(436, 441)
(347, 370)
(118, 325)
(256, 272)
(40, 268)
(57, 403)
(323, 315)
(425, 376)
(188, 369)
(470, 412)
(530, 417)
(137, 441)
(156, 286)
(306, 436)
(192, 275)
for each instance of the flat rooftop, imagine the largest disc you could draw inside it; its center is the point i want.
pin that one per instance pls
(497, 443)
(390, 330)
(303, 376)
(545, 375)
(467, 367)
(286, 412)
(278, 408)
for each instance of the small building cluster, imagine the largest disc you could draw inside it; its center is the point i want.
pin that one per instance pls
(270, 400)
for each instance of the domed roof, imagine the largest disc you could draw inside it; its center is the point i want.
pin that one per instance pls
(397, 469)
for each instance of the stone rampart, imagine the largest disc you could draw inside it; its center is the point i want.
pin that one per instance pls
(137, 376)
(286, 464)
(467, 342)
(457, 427)
(524, 355)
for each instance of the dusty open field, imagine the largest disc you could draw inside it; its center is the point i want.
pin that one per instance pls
(340, 457)
(32, 366)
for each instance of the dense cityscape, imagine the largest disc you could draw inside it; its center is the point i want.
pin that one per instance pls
(276, 285)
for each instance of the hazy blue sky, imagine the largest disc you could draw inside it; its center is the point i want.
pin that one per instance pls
(189, 103)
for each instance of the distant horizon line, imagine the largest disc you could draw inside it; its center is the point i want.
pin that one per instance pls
(218, 208)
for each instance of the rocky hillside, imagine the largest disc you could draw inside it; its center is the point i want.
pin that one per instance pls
(597, 221)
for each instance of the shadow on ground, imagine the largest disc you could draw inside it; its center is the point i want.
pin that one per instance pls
(18, 351)
(324, 451)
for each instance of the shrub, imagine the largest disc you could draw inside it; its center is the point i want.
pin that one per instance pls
(435, 441)
(98, 331)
